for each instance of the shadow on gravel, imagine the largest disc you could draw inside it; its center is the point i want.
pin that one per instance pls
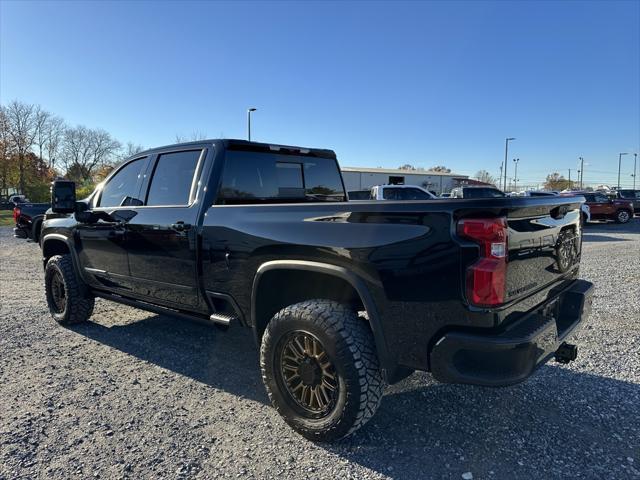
(549, 422)
(633, 226)
(424, 429)
(589, 237)
(225, 360)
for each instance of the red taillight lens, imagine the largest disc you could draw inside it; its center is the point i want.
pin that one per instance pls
(486, 278)
(16, 214)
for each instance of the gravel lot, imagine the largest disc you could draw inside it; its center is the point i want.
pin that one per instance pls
(138, 395)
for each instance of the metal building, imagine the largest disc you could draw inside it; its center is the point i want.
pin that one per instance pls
(357, 178)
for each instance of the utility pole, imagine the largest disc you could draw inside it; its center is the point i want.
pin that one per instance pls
(635, 160)
(506, 155)
(619, 166)
(500, 179)
(581, 172)
(515, 175)
(569, 176)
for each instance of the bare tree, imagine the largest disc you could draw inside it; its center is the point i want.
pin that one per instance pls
(85, 149)
(195, 136)
(22, 132)
(484, 176)
(55, 130)
(440, 168)
(131, 149)
(6, 149)
(41, 119)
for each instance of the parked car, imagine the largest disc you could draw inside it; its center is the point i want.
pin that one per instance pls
(633, 196)
(476, 192)
(400, 192)
(342, 297)
(28, 218)
(604, 207)
(445, 195)
(18, 199)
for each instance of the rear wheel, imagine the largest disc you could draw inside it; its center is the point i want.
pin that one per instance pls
(320, 369)
(67, 296)
(623, 216)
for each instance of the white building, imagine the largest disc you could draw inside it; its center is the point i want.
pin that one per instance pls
(357, 178)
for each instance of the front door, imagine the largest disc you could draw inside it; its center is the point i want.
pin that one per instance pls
(101, 242)
(161, 238)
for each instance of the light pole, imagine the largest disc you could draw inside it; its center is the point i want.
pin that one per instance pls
(249, 110)
(581, 172)
(635, 160)
(619, 165)
(506, 155)
(515, 175)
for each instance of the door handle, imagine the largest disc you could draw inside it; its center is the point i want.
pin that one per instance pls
(180, 226)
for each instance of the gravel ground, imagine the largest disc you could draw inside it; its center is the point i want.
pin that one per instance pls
(138, 395)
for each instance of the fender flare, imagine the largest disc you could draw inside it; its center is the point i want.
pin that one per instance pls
(74, 255)
(37, 221)
(329, 269)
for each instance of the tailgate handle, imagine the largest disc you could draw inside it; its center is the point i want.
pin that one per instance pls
(559, 212)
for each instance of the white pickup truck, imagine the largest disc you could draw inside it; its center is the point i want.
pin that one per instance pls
(392, 192)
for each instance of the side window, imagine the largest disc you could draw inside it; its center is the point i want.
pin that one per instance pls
(121, 188)
(600, 198)
(250, 177)
(172, 178)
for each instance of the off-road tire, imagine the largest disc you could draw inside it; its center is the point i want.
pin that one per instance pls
(77, 303)
(623, 216)
(349, 344)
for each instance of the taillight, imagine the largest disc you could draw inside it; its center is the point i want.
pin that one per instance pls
(16, 214)
(486, 278)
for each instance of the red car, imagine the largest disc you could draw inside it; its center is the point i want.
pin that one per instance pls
(605, 208)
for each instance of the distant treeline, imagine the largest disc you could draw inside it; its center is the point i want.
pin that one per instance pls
(36, 146)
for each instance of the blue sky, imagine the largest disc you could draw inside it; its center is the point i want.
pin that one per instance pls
(383, 84)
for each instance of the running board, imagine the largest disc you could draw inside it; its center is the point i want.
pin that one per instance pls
(222, 318)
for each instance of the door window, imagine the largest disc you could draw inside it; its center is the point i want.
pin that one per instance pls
(122, 187)
(599, 198)
(172, 180)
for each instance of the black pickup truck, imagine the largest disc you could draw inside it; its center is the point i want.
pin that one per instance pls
(342, 297)
(28, 218)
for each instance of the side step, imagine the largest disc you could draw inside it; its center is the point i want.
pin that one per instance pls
(222, 318)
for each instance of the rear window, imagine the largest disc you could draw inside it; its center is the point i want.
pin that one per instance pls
(257, 177)
(482, 193)
(630, 194)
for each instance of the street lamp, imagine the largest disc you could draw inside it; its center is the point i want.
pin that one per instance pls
(619, 165)
(506, 155)
(249, 110)
(515, 175)
(581, 171)
(635, 160)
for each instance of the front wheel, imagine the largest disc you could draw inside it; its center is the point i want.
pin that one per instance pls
(320, 369)
(623, 216)
(67, 296)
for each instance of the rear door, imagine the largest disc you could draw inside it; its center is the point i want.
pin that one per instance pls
(161, 238)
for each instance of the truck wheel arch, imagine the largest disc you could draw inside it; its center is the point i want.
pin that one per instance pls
(260, 318)
(57, 244)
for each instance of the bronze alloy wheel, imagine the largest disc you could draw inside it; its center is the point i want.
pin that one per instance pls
(309, 377)
(58, 292)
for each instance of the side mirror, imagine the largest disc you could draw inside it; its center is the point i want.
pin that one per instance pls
(63, 196)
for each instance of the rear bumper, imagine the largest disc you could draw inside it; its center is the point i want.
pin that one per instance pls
(19, 233)
(513, 354)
